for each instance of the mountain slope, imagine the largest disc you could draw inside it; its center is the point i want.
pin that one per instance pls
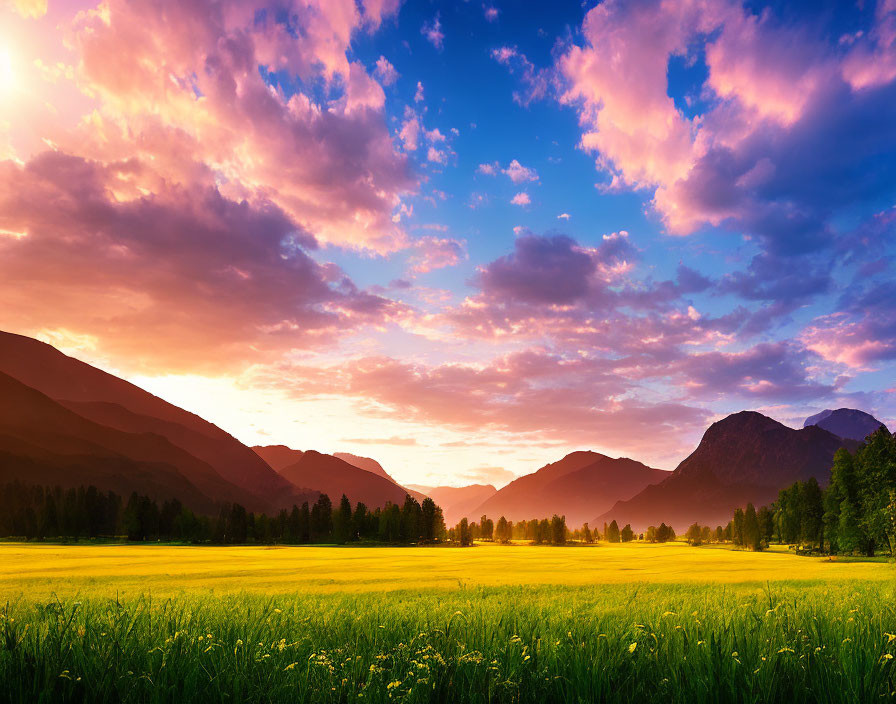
(458, 501)
(371, 465)
(366, 463)
(278, 456)
(577, 486)
(42, 442)
(845, 422)
(744, 458)
(335, 477)
(85, 388)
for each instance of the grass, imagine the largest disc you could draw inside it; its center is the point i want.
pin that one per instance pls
(627, 623)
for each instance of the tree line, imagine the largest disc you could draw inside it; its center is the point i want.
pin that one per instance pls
(856, 513)
(35, 512)
(553, 531)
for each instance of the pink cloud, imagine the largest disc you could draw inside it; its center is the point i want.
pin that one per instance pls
(519, 173)
(855, 343)
(521, 198)
(537, 81)
(433, 32)
(190, 75)
(238, 284)
(533, 393)
(436, 253)
(772, 90)
(385, 71)
(873, 62)
(437, 156)
(410, 130)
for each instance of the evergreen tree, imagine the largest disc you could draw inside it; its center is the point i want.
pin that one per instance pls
(627, 535)
(738, 527)
(587, 536)
(613, 532)
(502, 531)
(430, 528)
(464, 536)
(342, 521)
(752, 539)
(558, 530)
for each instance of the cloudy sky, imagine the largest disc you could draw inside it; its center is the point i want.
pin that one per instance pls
(464, 238)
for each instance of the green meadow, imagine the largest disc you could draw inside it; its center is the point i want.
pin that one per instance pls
(614, 623)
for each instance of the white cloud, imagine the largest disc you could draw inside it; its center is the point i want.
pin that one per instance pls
(563, 216)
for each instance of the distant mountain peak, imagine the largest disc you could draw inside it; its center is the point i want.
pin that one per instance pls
(744, 457)
(849, 423)
(366, 463)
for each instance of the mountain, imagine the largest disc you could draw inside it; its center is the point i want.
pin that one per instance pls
(371, 465)
(116, 403)
(578, 486)
(366, 463)
(457, 501)
(744, 458)
(281, 456)
(44, 443)
(335, 477)
(277, 456)
(845, 422)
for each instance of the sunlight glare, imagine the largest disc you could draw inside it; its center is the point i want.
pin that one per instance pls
(7, 75)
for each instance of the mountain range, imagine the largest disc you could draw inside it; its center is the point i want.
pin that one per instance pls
(744, 458)
(334, 476)
(577, 486)
(846, 422)
(88, 418)
(64, 422)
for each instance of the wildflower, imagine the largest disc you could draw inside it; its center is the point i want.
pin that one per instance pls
(886, 656)
(632, 647)
(785, 650)
(890, 637)
(291, 666)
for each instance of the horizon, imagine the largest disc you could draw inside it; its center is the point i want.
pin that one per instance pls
(456, 239)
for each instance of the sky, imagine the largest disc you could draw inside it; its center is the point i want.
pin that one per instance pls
(463, 238)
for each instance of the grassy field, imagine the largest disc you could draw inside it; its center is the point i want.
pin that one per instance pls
(627, 623)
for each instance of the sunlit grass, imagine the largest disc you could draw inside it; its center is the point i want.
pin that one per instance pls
(40, 571)
(635, 623)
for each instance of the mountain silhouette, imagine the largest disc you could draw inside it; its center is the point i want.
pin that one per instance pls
(457, 501)
(578, 486)
(334, 477)
(744, 458)
(846, 422)
(42, 442)
(116, 403)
